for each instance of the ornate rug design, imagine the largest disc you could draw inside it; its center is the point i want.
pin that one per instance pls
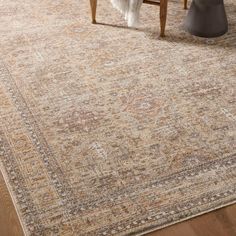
(112, 131)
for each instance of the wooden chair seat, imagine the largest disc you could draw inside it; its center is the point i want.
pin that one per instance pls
(163, 11)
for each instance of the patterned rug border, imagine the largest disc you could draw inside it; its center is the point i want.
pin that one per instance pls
(187, 218)
(140, 230)
(144, 231)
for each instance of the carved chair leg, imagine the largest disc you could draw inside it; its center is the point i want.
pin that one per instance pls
(93, 4)
(185, 4)
(163, 16)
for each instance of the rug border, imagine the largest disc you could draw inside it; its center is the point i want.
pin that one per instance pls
(184, 219)
(25, 231)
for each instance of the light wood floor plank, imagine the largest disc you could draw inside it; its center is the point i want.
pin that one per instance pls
(9, 222)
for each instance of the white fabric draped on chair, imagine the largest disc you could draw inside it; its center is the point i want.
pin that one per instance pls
(130, 9)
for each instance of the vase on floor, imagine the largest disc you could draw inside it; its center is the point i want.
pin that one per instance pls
(207, 18)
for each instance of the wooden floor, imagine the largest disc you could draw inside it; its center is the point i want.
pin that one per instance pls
(218, 223)
(9, 222)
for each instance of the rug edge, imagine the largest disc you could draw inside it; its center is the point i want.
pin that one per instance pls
(24, 229)
(185, 218)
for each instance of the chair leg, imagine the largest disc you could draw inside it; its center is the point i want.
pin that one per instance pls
(163, 16)
(93, 4)
(185, 4)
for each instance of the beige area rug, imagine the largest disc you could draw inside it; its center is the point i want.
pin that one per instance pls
(111, 131)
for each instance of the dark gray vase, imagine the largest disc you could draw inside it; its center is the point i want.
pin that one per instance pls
(207, 18)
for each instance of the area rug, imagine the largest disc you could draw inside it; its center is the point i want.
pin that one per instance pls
(107, 130)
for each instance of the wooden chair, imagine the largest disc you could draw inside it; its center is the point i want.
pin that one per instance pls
(163, 11)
